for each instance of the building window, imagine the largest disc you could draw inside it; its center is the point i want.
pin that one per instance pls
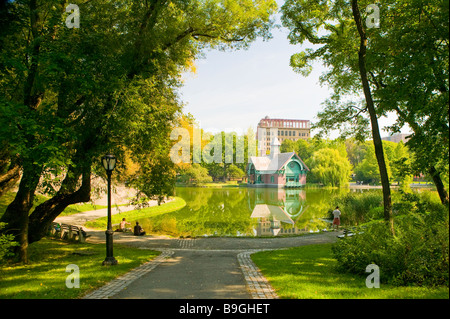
(272, 179)
(293, 133)
(289, 133)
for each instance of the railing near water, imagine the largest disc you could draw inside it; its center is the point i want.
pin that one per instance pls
(293, 184)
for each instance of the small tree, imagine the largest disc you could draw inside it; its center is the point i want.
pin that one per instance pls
(197, 174)
(235, 172)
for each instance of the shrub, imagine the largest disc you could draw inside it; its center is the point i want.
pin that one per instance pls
(416, 255)
(359, 208)
(6, 244)
(416, 202)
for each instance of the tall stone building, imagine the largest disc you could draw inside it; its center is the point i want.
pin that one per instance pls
(282, 129)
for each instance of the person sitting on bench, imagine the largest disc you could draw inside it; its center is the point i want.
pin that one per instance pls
(138, 231)
(83, 232)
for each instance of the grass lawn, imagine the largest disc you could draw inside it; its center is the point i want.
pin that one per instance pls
(308, 272)
(169, 207)
(45, 276)
(7, 198)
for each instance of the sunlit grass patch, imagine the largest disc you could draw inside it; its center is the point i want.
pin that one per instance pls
(45, 276)
(309, 272)
(174, 205)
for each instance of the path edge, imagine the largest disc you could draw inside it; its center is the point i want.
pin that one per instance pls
(116, 285)
(257, 285)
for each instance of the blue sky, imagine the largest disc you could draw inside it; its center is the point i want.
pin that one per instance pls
(232, 91)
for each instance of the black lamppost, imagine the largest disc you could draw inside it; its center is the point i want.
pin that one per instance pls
(109, 163)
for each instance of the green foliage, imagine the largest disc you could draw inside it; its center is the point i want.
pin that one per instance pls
(329, 167)
(358, 208)
(45, 276)
(235, 172)
(417, 255)
(309, 272)
(407, 65)
(398, 164)
(6, 244)
(68, 96)
(288, 146)
(368, 170)
(224, 156)
(423, 201)
(197, 174)
(327, 159)
(414, 85)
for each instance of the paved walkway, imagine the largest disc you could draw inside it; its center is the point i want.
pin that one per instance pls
(192, 268)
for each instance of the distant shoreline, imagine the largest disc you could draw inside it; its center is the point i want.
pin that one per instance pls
(307, 186)
(414, 185)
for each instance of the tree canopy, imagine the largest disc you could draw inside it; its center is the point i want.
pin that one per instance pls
(70, 95)
(406, 64)
(399, 65)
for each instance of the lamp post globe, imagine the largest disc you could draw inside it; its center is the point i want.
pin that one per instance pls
(109, 163)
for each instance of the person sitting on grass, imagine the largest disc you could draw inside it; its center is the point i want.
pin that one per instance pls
(138, 231)
(123, 224)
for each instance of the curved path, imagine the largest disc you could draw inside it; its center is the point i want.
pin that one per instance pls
(192, 268)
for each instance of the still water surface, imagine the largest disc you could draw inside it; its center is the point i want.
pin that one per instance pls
(245, 212)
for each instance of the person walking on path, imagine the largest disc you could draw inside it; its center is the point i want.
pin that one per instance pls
(336, 218)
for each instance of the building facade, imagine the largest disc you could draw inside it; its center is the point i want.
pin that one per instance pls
(276, 169)
(396, 138)
(283, 129)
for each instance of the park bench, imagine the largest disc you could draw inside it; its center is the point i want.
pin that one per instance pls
(54, 229)
(68, 232)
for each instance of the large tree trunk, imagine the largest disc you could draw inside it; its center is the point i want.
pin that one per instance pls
(377, 142)
(443, 195)
(9, 179)
(16, 214)
(434, 173)
(44, 214)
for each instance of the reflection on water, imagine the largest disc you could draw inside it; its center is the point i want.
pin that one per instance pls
(243, 212)
(276, 210)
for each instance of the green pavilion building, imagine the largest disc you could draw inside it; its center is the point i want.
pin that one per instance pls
(277, 169)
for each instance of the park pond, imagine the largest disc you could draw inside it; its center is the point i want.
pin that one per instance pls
(242, 211)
